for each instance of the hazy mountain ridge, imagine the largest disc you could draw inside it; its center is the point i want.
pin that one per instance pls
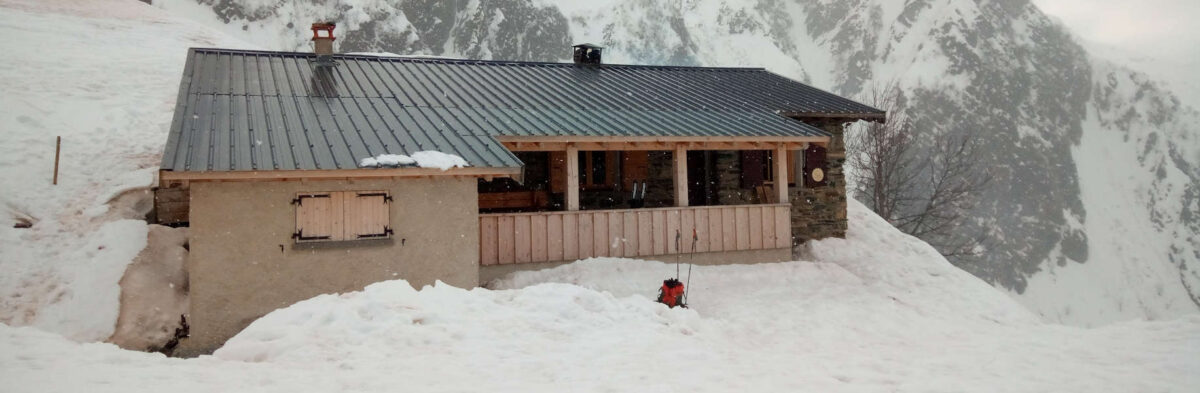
(1042, 104)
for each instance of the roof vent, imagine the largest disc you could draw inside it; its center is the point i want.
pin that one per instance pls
(587, 54)
(323, 42)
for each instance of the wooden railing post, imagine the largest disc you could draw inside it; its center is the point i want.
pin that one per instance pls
(781, 170)
(572, 177)
(681, 180)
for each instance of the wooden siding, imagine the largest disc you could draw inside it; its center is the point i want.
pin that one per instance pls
(171, 205)
(567, 235)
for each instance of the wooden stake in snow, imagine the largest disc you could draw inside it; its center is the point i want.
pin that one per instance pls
(57, 150)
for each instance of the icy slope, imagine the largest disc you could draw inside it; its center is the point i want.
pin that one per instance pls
(104, 76)
(878, 311)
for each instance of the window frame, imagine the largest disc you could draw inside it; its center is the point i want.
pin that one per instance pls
(587, 169)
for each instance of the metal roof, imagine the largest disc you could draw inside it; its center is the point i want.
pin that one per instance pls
(256, 110)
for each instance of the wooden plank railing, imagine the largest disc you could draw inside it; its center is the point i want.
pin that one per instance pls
(568, 235)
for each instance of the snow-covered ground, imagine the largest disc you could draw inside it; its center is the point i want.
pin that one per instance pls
(878, 311)
(103, 75)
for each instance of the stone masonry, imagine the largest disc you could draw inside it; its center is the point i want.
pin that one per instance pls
(660, 184)
(729, 179)
(820, 212)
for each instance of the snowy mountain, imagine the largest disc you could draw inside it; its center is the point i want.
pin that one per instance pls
(1094, 215)
(877, 311)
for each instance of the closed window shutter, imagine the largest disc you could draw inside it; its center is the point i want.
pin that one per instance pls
(558, 171)
(635, 167)
(753, 168)
(814, 158)
(318, 217)
(368, 215)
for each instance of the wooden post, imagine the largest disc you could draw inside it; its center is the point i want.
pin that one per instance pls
(57, 150)
(781, 170)
(681, 180)
(572, 177)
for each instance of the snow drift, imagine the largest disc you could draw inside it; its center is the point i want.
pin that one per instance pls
(879, 310)
(104, 75)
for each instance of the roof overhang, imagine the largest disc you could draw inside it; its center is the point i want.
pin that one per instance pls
(556, 143)
(166, 176)
(879, 117)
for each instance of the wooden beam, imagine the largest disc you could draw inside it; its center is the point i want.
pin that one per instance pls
(665, 141)
(572, 177)
(166, 176)
(781, 170)
(681, 180)
(642, 146)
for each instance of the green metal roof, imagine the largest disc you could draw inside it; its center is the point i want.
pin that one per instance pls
(253, 110)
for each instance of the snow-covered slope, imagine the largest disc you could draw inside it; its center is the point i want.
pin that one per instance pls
(1059, 122)
(878, 311)
(103, 75)
(1141, 199)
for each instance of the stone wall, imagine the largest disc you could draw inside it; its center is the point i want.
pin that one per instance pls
(729, 179)
(660, 189)
(820, 212)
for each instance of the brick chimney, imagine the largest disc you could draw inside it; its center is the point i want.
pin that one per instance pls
(323, 42)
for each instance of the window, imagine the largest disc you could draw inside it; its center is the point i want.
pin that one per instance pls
(769, 167)
(593, 170)
(598, 170)
(342, 215)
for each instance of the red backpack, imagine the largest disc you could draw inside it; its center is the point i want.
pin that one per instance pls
(671, 293)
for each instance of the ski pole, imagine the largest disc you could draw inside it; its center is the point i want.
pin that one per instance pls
(677, 237)
(688, 286)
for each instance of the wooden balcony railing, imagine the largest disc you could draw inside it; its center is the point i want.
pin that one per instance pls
(568, 235)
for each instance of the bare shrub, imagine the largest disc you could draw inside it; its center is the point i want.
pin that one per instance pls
(924, 184)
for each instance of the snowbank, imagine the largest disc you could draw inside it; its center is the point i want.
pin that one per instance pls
(877, 311)
(422, 159)
(103, 75)
(473, 328)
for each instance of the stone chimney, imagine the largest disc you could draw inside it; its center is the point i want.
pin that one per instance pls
(587, 54)
(323, 42)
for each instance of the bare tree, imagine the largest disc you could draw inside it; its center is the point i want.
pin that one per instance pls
(923, 184)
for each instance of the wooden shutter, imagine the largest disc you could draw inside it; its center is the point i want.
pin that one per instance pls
(610, 168)
(753, 167)
(635, 167)
(367, 215)
(318, 217)
(796, 167)
(558, 171)
(814, 158)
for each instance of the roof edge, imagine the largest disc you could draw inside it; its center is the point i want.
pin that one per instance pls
(406, 59)
(880, 116)
(166, 175)
(667, 139)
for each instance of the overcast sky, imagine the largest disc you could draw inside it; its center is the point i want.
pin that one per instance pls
(1131, 23)
(1160, 37)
